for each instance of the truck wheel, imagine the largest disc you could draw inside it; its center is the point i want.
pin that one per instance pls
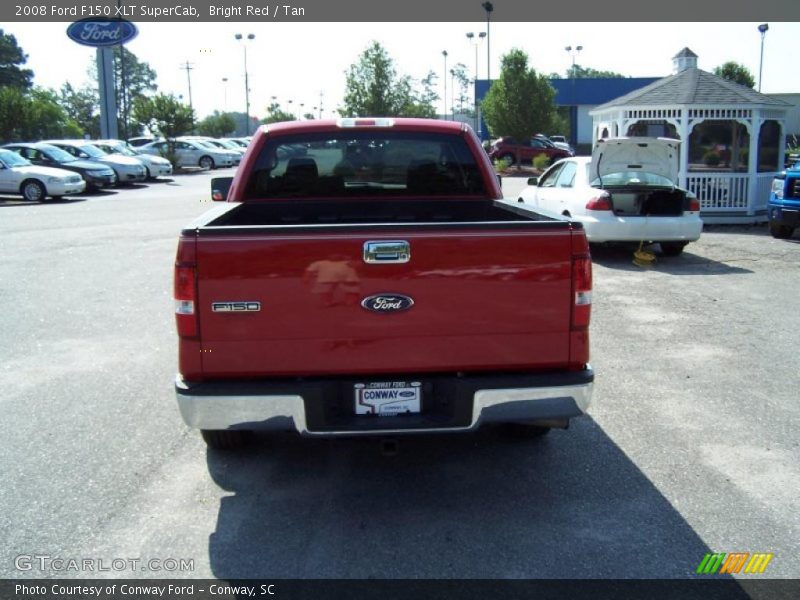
(510, 158)
(672, 248)
(223, 439)
(206, 162)
(33, 191)
(525, 430)
(781, 232)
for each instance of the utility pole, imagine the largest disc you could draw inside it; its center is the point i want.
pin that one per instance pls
(189, 67)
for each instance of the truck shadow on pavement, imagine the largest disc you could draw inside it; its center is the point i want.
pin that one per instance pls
(569, 505)
(620, 258)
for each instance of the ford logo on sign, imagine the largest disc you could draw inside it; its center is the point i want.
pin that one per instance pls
(387, 303)
(100, 33)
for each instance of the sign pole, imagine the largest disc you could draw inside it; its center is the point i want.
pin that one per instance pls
(108, 99)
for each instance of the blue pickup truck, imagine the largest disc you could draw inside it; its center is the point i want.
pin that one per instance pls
(784, 203)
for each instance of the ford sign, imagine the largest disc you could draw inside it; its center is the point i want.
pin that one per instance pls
(101, 33)
(387, 303)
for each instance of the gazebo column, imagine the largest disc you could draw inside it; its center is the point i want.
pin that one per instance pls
(683, 133)
(752, 162)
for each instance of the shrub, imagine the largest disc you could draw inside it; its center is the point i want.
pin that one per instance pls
(541, 162)
(711, 158)
(501, 164)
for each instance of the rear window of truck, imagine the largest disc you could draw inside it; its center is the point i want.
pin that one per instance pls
(374, 163)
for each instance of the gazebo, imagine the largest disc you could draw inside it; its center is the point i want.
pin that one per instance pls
(732, 137)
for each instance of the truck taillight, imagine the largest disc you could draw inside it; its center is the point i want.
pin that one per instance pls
(582, 291)
(600, 202)
(185, 300)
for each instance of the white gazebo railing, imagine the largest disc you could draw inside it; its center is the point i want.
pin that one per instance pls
(721, 192)
(729, 192)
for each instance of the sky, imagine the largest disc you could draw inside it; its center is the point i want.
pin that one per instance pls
(298, 61)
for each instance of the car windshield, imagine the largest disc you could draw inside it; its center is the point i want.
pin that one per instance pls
(55, 153)
(624, 178)
(92, 151)
(368, 163)
(206, 144)
(12, 159)
(227, 144)
(118, 149)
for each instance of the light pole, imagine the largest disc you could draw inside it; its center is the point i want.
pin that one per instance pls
(250, 36)
(573, 118)
(225, 93)
(763, 28)
(476, 42)
(444, 82)
(488, 7)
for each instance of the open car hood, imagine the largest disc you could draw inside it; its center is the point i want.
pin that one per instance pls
(646, 154)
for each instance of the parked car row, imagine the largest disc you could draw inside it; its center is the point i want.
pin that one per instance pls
(55, 168)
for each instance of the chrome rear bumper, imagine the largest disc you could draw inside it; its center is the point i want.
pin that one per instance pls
(248, 407)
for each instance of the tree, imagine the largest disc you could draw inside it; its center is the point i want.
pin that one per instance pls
(579, 72)
(276, 115)
(164, 114)
(217, 125)
(733, 71)
(82, 106)
(520, 102)
(132, 79)
(373, 88)
(11, 57)
(33, 115)
(461, 80)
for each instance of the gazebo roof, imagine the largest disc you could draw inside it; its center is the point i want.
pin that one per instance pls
(692, 86)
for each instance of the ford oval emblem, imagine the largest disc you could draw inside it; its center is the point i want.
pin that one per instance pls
(387, 303)
(100, 33)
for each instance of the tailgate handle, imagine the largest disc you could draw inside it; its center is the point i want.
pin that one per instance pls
(394, 251)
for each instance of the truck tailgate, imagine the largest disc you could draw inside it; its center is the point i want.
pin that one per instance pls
(484, 299)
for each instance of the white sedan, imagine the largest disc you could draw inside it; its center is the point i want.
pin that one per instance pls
(19, 176)
(625, 192)
(189, 153)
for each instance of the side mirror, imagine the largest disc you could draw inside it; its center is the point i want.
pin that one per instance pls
(533, 181)
(220, 187)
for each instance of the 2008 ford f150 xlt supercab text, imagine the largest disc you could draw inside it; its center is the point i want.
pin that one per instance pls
(364, 276)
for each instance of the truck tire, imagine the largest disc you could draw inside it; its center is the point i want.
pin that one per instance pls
(780, 232)
(33, 191)
(206, 162)
(222, 439)
(672, 248)
(512, 160)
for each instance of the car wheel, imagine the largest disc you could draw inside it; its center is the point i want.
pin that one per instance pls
(510, 158)
(33, 191)
(672, 248)
(224, 439)
(524, 430)
(147, 174)
(206, 162)
(781, 232)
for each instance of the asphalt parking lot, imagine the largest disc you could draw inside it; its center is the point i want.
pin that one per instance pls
(692, 445)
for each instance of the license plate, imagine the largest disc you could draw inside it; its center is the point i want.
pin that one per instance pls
(388, 398)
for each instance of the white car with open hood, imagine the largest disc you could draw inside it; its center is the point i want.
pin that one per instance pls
(626, 192)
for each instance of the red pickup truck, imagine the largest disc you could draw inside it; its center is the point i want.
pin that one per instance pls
(364, 276)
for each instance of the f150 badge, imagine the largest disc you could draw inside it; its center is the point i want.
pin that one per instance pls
(387, 303)
(235, 306)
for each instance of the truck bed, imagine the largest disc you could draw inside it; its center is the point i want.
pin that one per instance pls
(334, 212)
